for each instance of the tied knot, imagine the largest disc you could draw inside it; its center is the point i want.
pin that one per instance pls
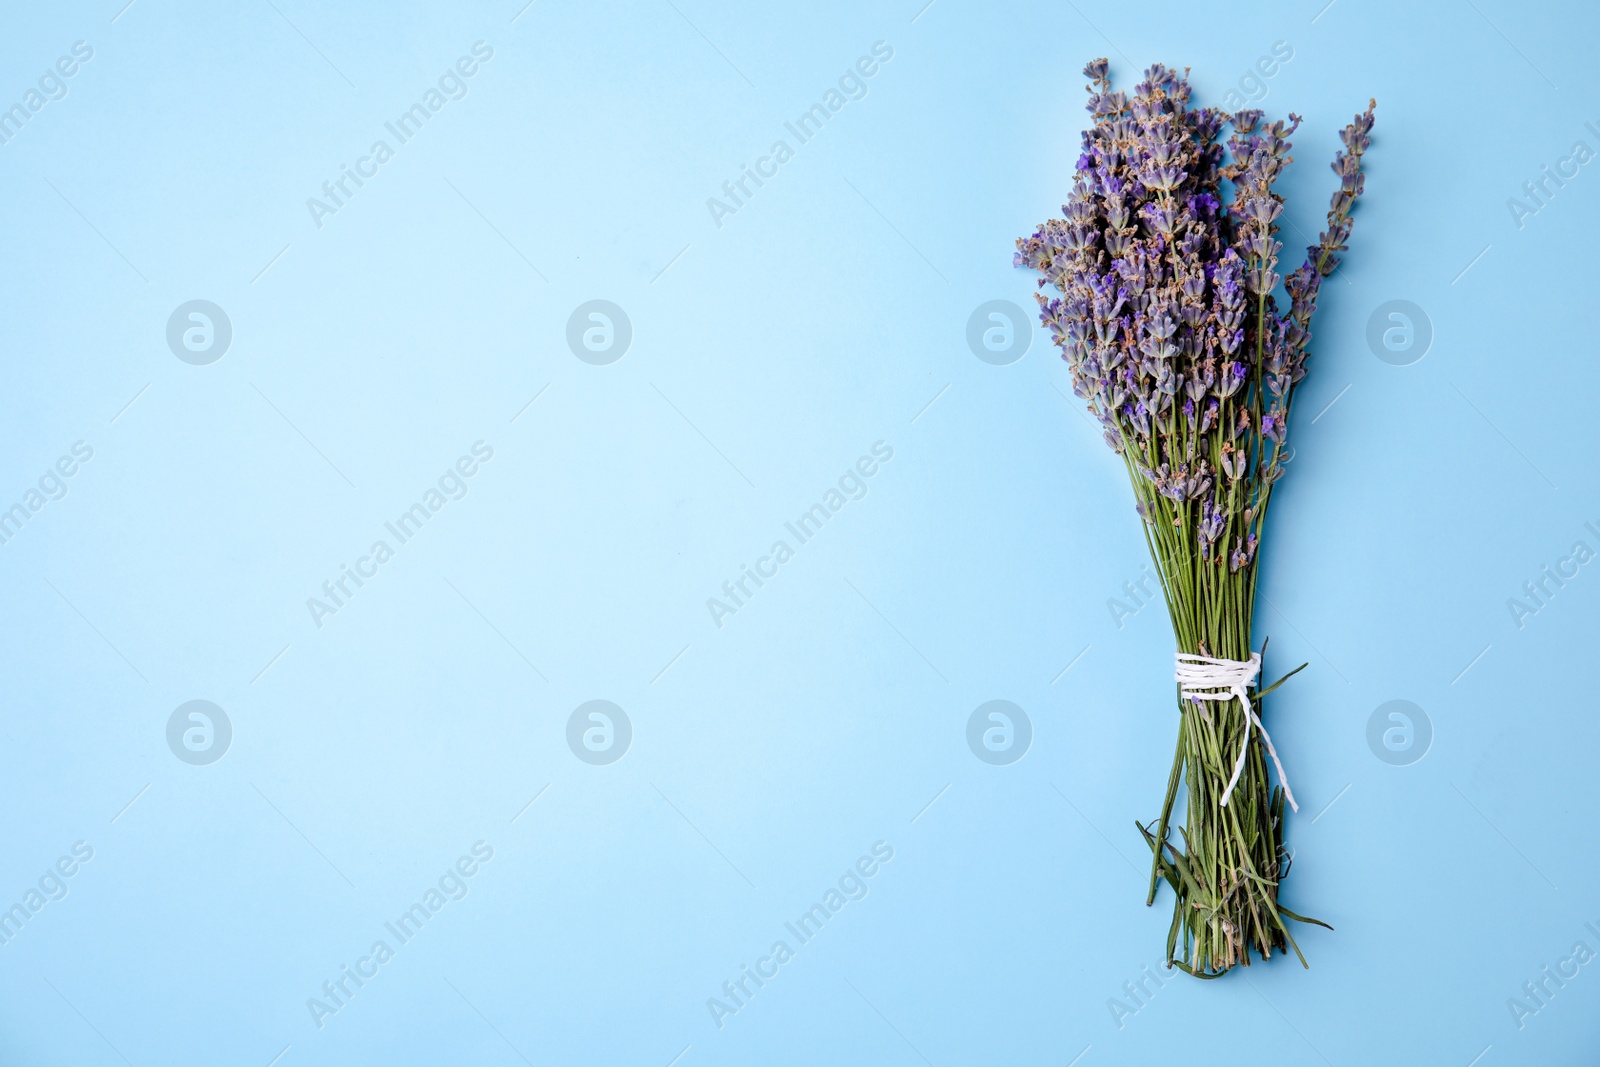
(1206, 678)
(1200, 674)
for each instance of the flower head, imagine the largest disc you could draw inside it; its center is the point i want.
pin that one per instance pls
(1161, 284)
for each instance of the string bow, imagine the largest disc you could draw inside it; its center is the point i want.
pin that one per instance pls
(1205, 678)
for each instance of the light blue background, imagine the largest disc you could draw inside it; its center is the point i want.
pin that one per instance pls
(768, 354)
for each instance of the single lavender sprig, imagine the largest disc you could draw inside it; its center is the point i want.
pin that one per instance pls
(1292, 333)
(1321, 258)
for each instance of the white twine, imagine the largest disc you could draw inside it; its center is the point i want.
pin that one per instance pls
(1200, 678)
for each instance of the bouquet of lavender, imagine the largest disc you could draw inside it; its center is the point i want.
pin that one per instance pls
(1166, 311)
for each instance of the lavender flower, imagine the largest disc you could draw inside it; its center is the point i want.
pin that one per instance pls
(1186, 334)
